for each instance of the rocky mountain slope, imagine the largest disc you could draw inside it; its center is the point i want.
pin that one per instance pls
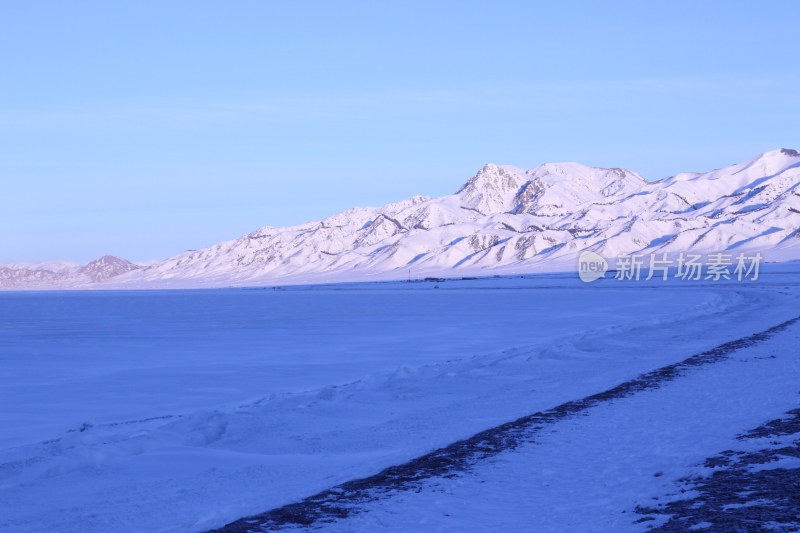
(504, 219)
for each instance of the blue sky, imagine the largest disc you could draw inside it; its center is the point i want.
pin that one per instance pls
(145, 128)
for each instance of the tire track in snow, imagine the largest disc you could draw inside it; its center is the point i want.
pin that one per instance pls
(344, 499)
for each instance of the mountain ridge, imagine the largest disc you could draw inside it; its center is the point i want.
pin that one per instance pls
(504, 218)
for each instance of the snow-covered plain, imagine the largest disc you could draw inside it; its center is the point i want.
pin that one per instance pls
(180, 411)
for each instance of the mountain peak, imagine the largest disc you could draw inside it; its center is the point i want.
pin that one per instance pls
(107, 267)
(492, 189)
(769, 163)
(778, 154)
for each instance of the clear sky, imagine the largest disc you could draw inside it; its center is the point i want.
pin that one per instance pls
(143, 128)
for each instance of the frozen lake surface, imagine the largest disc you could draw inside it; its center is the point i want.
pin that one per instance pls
(184, 410)
(114, 356)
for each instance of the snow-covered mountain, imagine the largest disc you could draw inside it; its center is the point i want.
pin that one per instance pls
(504, 219)
(58, 274)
